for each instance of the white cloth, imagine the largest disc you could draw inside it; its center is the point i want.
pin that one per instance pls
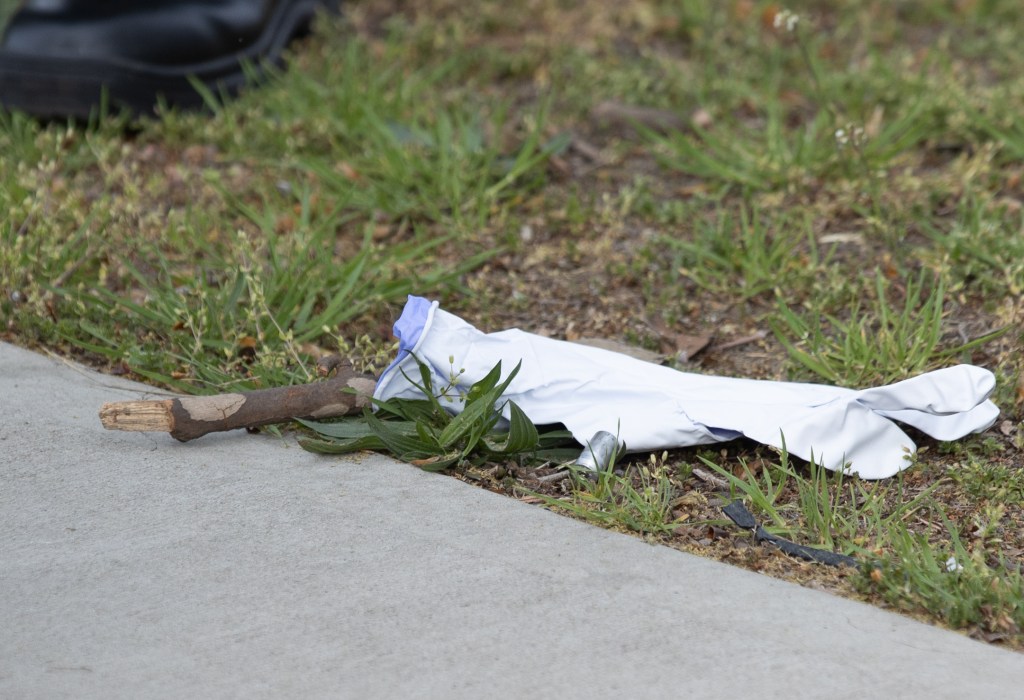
(651, 407)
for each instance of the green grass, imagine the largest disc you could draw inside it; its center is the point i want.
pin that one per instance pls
(300, 208)
(963, 588)
(965, 584)
(822, 508)
(742, 254)
(451, 152)
(879, 344)
(983, 247)
(639, 501)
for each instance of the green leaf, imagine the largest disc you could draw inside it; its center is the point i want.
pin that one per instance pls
(354, 428)
(479, 407)
(522, 434)
(484, 385)
(435, 439)
(412, 410)
(428, 388)
(556, 438)
(332, 447)
(464, 423)
(427, 435)
(437, 463)
(402, 446)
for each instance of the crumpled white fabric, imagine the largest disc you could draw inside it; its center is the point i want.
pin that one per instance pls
(651, 407)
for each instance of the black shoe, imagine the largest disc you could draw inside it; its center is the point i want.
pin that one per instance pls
(59, 57)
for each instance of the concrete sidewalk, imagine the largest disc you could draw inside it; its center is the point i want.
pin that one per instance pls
(134, 566)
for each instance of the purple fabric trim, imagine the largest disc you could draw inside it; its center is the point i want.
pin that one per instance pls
(409, 327)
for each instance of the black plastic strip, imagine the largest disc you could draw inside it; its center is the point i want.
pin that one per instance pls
(743, 518)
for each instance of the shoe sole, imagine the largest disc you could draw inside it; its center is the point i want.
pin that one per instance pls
(57, 87)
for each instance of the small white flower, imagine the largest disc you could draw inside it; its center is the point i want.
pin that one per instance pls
(787, 19)
(952, 565)
(850, 136)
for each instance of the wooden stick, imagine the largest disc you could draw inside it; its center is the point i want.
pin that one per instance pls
(760, 335)
(189, 417)
(709, 478)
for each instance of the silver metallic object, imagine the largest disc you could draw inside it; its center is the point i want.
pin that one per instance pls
(601, 452)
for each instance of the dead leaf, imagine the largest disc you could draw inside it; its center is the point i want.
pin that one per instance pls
(622, 349)
(684, 346)
(873, 127)
(428, 460)
(737, 342)
(857, 238)
(889, 268)
(687, 346)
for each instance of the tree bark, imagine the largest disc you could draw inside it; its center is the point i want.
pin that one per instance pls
(189, 417)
